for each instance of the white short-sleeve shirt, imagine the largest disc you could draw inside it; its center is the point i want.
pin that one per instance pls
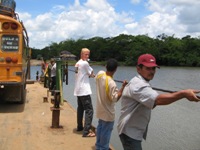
(82, 84)
(53, 70)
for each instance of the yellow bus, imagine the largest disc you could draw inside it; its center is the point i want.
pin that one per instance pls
(14, 54)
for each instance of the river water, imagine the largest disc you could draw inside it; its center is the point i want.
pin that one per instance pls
(172, 127)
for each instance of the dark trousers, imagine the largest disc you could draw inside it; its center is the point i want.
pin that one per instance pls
(53, 83)
(84, 104)
(46, 82)
(129, 143)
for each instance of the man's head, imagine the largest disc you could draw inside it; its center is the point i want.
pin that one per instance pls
(85, 53)
(146, 66)
(52, 61)
(111, 65)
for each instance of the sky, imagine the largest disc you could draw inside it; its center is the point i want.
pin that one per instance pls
(54, 21)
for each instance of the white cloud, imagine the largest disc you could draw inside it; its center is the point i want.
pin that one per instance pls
(184, 2)
(183, 15)
(100, 5)
(99, 18)
(94, 18)
(157, 23)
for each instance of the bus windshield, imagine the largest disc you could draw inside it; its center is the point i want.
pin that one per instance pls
(10, 43)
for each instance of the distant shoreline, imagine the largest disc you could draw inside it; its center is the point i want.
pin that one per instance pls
(35, 62)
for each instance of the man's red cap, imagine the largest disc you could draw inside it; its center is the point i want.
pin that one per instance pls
(147, 60)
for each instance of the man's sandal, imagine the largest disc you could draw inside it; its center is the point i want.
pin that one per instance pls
(90, 134)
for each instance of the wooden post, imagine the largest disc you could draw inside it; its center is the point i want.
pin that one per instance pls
(55, 118)
(37, 75)
(56, 110)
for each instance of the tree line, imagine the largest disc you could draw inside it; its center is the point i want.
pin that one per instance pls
(168, 50)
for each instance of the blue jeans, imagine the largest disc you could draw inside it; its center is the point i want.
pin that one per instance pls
(129, 143)
(84, 104)
(104, 130)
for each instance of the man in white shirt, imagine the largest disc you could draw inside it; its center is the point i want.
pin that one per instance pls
(53, 74)
(83, 91)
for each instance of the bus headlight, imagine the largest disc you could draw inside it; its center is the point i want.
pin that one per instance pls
(14, 59)
(6, 25)
(8, 59)
(14, 26)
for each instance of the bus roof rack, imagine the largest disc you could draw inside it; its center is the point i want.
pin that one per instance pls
(7, 7)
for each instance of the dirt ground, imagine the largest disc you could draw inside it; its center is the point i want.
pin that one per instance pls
(28, 126)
